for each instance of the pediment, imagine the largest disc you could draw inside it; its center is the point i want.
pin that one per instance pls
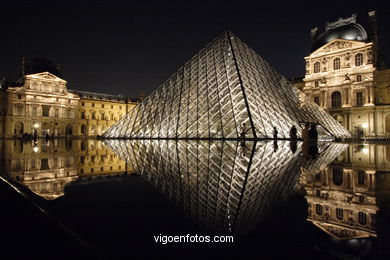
(341, 232)
(337, 45)
(45, 76)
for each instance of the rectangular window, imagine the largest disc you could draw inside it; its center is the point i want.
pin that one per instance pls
(56, 113)
(359, 98)
(45, 110)
(361, 175)
(339, 213)
(34, 111)
(317, 100)
(45, 164)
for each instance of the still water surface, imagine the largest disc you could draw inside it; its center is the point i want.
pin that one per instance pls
(276, 199)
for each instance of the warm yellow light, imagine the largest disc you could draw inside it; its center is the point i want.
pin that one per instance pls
(35, 149)
(364, 125)
(365, 150)
(36, 125)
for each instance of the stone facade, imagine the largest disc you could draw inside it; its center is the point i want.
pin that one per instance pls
(43, 105)
(344, 198)
(343, 78)
(47, 167)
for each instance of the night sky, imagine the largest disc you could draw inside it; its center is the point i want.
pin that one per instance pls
(118, 48)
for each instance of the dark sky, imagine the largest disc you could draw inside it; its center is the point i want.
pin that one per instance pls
(124, 48)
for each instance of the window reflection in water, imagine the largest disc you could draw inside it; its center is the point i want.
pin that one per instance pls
(345, 198)
(48, 166)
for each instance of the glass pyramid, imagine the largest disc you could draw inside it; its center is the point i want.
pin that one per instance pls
(223, 90)
(221, 185)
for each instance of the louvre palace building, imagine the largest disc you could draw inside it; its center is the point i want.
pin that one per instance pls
(346, 76)
(39, 103)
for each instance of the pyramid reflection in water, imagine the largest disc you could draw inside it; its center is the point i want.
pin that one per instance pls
(223, 87)
(220, 185)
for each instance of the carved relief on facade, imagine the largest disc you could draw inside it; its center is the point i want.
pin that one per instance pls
(337, 45)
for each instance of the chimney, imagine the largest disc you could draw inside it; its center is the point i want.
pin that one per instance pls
(373, 34)
(314, 33)
(23, 66)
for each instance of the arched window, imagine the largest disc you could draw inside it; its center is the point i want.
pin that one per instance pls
(93, 115)
(337, 176)
(336, 64)
(336, 99)
(83, 129)
(317, 67)
(359, 59)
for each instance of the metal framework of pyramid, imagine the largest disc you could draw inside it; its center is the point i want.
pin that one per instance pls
(223, 87)
(220, 185)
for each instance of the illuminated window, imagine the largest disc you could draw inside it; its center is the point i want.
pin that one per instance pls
(359, 59)
(336, 99)
(319, 209)
(317, 67)
(359, 98)
(362, 218)
(359, 78)
(69, 113)
(339, 213)
(336, 64)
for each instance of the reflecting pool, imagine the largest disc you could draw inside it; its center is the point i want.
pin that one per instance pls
(280, 199)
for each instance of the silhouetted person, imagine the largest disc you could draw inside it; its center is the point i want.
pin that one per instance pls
(47, 137)
(313, 134)
(305, 133)
(293, 146)
(275, 146)
(293, 133)
(275, 133)
(313, 150)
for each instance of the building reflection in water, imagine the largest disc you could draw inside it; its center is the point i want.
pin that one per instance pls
(223, 186)
(46, 167)
(345, 198)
